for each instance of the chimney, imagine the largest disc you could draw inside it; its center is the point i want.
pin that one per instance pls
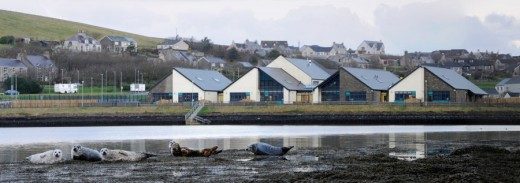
(310, 62)
(47, 55)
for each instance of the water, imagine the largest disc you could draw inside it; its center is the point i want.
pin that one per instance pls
(403, 142)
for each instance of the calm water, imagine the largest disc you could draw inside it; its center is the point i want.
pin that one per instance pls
(405, 142)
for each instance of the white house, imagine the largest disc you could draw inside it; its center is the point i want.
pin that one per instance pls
(371, 48)
(81, 42)
(315, 51)
(176, 44)
(306, 71)
(508, 85)
(117, 44)
(193, 85)
(265, 84)
(434, 84)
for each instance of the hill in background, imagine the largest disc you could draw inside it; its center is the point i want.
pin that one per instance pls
(45, 28)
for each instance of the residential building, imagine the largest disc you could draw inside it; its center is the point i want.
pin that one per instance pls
(307, 72)
(175, 44)
(274, 44)
(194, 85)
(40, 67)
(176, 55)
(163, 89)
(117, 44)
(214, 62)
(81, 42)
(511, 85)
(11, 67)
(265, 84)
(371, 48)
(251, 47)
(512, 95)
(434, 84)
(350, 60)
(315, 51)
(356, 85)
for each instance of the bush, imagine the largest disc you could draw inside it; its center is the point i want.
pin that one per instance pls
(24, 86)
(7, 40)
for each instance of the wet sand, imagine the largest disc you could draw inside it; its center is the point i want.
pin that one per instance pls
(444, 163)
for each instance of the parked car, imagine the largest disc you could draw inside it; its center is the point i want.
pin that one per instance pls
(11, 92)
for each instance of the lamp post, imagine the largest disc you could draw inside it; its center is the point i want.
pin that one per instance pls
(82, 93)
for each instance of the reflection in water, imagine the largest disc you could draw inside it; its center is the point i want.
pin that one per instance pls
(406, 146)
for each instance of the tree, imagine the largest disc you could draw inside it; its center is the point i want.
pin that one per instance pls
(232, 54)
(24, 85)
(206, 44)
(254, 60)
(273, 54)
(7, 40)
(131, 49)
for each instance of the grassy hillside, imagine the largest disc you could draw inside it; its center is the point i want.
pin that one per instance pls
(45, 28)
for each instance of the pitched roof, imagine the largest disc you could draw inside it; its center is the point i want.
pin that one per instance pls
(170, 41)
(205, 79)
(245, 64)
(211, 59)
(285, 79)
(313, 69)
(375, 44)
(491, 91)
(9, 62)
(40, 61)
(81, 37)
(120, 38)
(514, 80)
(503, 82)
(374, 78)
(513, 94)
(317, 48)
(455, 80)
(272, 44)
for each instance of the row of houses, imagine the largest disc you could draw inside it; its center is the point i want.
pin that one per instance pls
(40, 67)
(81, 42)
(291, 80)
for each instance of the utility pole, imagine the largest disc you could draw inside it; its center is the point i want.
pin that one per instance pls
(102, 87)
(121, 81)
(61, 76)
(115, 81)
(91, 85)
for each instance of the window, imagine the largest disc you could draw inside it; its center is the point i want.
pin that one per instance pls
(356, 96)
(330, 89)
(270, 90)
(403, 95)
(237, 97)
(188, 97)
(438, 96)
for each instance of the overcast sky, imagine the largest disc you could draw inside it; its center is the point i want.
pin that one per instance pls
(413, 25)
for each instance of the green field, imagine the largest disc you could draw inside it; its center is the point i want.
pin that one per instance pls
(45, 28)
(485, 83)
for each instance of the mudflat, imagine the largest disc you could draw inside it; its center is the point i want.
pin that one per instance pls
(483, 163)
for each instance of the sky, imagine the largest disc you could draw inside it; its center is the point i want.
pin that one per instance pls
(403, 25)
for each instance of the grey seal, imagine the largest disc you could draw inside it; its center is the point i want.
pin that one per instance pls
(122, 155)
(79, 152)
(47, 157)
(261, 148)
(177, 150)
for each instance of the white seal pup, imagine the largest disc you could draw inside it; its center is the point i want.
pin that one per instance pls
(261, 148)
(85, 154)
(122, 155)
(47, 157)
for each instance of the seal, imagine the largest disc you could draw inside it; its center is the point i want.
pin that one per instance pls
(79, 152)
(177, 150)
(47, 157)
(122, 155)
(261, 148)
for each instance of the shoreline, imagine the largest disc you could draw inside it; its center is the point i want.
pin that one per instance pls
(359, 118)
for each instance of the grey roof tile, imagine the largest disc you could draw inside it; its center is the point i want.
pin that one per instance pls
(503, 82)
(285, 79)
(514, 80)
(40, 61)
(205, 79)
(455, 80)
(310, 68)
(374, 78)
(9, 62)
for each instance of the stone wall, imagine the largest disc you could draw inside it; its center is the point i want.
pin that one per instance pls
(347, 82)
(436, 84)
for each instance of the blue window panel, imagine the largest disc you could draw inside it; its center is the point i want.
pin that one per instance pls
(356, 96)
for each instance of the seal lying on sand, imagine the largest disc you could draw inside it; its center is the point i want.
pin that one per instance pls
(85, 154)
(47, 157)
(122, 155)
(261, 148)
(177, 150)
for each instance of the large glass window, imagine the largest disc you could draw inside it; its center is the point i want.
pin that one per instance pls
(356, 96)
(330, 89)
(439, 96)
(161, 96)
(236, 97)
(188, 97)
(403, 95)
(270, 89)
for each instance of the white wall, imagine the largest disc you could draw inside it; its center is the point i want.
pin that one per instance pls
(210, 96)
(247, 83)
(182, 85)
(316, 95)
(412, 82)
(284, 64)
(288, 96)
